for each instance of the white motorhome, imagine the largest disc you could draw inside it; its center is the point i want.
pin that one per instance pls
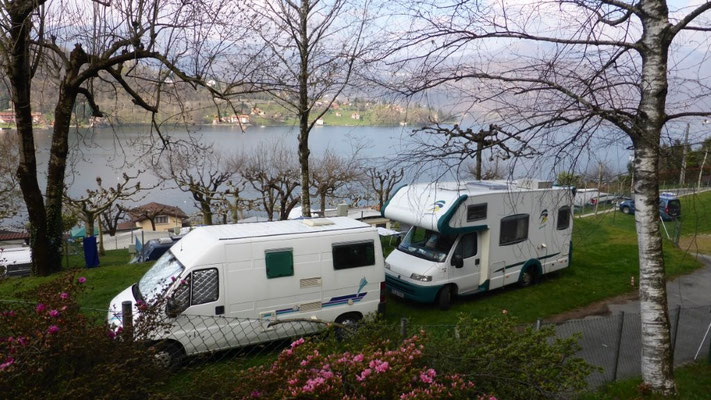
(233, 285)
(472, 237)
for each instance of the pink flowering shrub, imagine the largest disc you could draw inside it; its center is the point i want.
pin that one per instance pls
(49, 349)
(380, 371)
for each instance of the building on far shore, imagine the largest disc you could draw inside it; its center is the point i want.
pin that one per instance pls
(153, 217)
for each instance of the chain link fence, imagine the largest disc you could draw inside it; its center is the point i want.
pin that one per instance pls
(614, 342)
(210, 345)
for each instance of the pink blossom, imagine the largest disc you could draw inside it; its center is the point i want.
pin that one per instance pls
(8, 313)
(64, 295)
(255, 393)
(21, 341)
(382, 367)
(7, 363)
(53, 313)
(111, 334)
(298, 342)
(358, 358)
(40, 307)
(81, 279)
(366, 373)
(52, 329)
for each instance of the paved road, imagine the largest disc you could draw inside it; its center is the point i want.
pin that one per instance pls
(690, 313)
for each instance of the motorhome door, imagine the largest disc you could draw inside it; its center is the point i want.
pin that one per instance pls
(466, 277)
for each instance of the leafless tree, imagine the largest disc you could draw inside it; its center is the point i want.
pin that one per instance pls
(331, 173)
(313, 48)
(566, 71)
(112, 216)
(134, 45)
(196, 169)
(451, 146)
(151, 213)
(383, 180)
(272, 171)
(97, 201)
(9, 195)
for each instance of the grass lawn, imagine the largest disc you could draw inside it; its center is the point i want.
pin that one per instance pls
(604, 259)
(693, 383)
(103, 283)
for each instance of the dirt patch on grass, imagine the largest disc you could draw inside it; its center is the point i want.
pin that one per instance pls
(597, 308)
(700, 243)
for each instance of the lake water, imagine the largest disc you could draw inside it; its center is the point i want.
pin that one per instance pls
(107, 152)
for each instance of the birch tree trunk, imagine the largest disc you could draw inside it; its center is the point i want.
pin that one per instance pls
(657, 357)
(303, 107)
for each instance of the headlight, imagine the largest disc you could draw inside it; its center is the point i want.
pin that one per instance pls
(387, 265)
(422, 278)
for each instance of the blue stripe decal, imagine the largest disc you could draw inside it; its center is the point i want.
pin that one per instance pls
(335, 301)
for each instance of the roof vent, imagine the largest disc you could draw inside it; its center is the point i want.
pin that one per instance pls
(534, 184)
(317, 222)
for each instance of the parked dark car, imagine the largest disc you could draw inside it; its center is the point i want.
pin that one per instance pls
(669, 207)
(155, 248)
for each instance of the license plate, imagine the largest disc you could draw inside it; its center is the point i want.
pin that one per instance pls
(397, 293)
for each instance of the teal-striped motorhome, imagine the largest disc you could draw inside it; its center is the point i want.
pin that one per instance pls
(471, 237)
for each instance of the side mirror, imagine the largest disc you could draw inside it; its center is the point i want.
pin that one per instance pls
(178, 302)
(457, 261)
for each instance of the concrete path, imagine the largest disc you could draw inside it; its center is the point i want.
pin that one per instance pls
(613, 342)
(692, 290)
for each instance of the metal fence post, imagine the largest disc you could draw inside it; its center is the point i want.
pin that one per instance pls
(403, 328)
(618, 346)
(676, 328)
(127, 317)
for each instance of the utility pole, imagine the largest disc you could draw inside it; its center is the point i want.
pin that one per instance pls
(599, 187)
(701, 170)
(683, 157)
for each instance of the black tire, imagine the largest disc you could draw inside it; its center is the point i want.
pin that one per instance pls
(625, 210)
(444, 298)
(169, 355)
(349, 325)
(529, 278)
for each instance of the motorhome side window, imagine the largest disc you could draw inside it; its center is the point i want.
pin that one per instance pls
(205, 286)
(514, 229)
(467, 246)
(280, 262)
(476, 212)
(352, 255)
(563, 218)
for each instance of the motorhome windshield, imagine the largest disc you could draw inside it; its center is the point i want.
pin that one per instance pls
(427, 244)
(159, 276)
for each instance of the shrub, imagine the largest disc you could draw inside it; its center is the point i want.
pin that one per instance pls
(512, 362)
(380, 370)
(50, 349)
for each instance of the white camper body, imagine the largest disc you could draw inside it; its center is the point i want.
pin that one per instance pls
(233, 285)
(472, 237)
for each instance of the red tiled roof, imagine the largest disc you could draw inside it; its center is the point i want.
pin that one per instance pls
(9, 235)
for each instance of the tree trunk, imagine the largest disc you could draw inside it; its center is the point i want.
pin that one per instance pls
(206, 213)
(657, 357)
(19, 74)
(102, 251)
(56, 169)
(304, 109)
(323, 203)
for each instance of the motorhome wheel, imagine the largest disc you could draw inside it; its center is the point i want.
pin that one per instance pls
(528, 278)
(444, 298)
(625, 210)
(349, 324)
(169, 355)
